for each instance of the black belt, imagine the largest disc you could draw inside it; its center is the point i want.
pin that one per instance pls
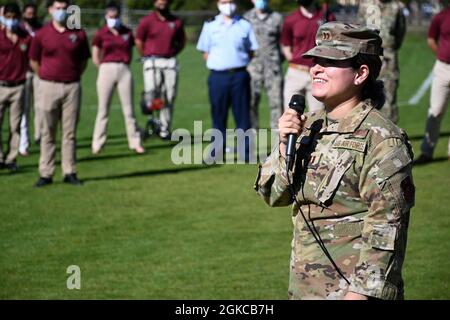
(11, 84)
(233, 70)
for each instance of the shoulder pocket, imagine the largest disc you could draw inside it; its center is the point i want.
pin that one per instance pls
(332, 179)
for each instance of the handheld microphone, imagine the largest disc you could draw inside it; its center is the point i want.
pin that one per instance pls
(298, 104)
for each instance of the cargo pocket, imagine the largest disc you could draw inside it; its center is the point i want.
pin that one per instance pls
(336, 171)
(383, 237)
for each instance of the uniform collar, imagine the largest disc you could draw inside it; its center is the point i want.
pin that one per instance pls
(220, 18)
(349, 124)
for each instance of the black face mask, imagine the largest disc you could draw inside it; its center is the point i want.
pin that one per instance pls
(164, 12)
(305, 3)
(31, 21)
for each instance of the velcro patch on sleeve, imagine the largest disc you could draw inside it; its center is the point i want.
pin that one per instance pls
(392, 163)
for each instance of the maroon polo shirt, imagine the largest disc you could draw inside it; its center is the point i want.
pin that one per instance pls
(299, 33)
(165, 38)
(115, 48)
(440, 31)
(14, 56)
(60, 54)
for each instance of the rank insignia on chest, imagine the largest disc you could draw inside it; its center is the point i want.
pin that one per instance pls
(172, 25)
(23, 47)
(351, 144)
(73, 38)
(314, 161)
(126, 37)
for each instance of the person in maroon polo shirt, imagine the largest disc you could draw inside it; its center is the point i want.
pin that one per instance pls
(31, 24)
(59, 56)
(14, 46)
(439, 43)
(298, 36)
(111, 53)
(160, 38)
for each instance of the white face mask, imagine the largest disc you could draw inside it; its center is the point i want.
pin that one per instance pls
(59, 15)
(228, 9)
(10, 24)
(112, 23)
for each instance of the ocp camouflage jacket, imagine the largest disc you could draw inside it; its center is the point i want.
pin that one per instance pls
(353, 182)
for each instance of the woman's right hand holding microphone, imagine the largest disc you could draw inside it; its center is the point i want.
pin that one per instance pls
(290, 123)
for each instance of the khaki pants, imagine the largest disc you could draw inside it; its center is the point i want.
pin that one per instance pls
(30, 99)
(299, 82)
(58, 102)
(440, 97)
(163, 73)
(11, 97)
(111, 75)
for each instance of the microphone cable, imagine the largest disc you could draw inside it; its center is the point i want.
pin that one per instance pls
(312, 229)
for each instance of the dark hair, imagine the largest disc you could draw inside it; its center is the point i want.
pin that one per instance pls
(51, 2)
(373, 89)
(12, 8)
(113, 5)
(29, 5)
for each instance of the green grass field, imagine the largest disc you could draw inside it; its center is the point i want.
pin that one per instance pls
(143, 228)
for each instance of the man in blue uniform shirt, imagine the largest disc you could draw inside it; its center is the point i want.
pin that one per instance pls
(228, 43)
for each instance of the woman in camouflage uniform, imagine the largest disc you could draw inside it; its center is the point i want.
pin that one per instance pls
(352, 176)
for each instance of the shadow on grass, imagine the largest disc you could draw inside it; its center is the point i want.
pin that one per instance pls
(420, 137)
(435, 160)
(150, 173)
(92, 158)
(110, 137)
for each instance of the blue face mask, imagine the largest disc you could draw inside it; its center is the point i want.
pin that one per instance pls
(261, 4)
(59, 15)
(11, 24)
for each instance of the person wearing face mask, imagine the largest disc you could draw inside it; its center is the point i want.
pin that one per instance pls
(297, 37)
(31, 24)
(228, 44)
(112, 52)
(14, 46)
(59, 56)
(387, 16)
(160, 37)
(351, 183)
(265, 68)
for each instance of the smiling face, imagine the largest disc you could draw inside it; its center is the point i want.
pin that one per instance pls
(334, 81)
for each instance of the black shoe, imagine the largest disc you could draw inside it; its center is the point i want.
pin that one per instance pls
(72, 179)
(12, 167)
(422, 159)
(42, 182)
(2, 165)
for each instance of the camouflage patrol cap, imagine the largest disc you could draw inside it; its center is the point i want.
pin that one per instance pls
(341, 41)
